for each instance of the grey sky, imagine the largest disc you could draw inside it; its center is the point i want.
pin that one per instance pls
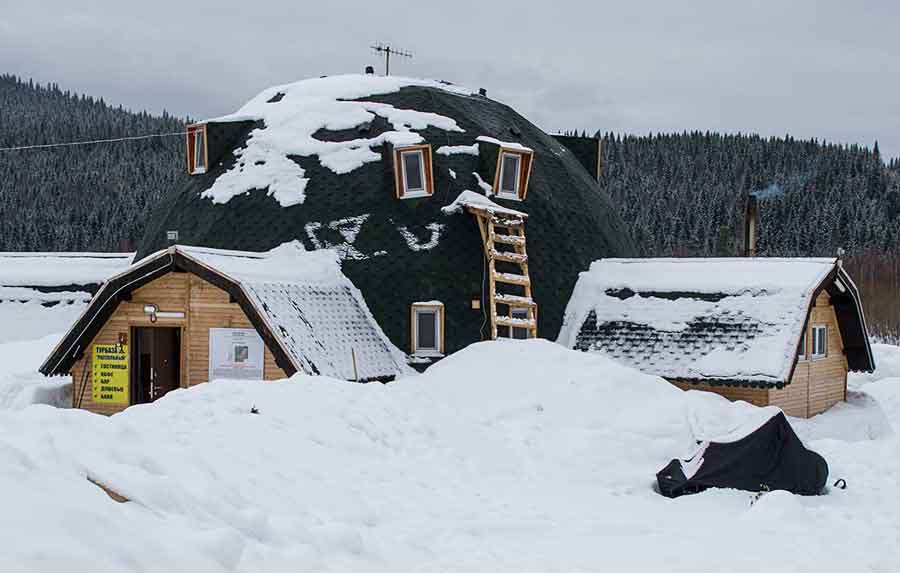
(823, 69)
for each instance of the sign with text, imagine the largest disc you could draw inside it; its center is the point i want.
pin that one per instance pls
(236, 353)
(110, 383)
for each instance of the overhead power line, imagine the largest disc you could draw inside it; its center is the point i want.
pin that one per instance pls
(92, 142)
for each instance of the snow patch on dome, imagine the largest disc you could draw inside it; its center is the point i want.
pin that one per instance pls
(303, 108)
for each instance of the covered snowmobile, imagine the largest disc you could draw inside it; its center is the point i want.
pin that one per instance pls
(771, 457)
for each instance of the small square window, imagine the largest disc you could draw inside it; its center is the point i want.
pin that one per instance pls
(427, 329)
(510, 164)
(819, 341)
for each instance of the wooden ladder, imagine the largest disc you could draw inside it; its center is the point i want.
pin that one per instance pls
(503, 236)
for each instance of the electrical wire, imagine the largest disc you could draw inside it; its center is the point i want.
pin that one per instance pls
(92, 142)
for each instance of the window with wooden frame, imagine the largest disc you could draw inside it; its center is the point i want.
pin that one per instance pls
(802, 355)
(413, 175)
(197, 153)
(427, 328)
(819, 341)
(513, 172)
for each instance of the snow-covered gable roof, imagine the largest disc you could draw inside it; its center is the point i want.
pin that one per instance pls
(737, 319)
(56, 277)
(314, 315)
(291, 114)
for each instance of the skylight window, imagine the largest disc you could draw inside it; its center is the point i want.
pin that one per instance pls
(513, 172)
(412, 167)
(509, 175)
(196, 149)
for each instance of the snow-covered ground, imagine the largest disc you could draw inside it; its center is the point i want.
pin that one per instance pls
(508, 456)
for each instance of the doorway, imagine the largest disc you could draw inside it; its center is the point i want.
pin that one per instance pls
(156, 363)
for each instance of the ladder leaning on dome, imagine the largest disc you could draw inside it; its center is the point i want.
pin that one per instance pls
(503, 236)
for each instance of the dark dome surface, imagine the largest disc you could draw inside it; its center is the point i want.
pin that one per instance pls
(399, 251)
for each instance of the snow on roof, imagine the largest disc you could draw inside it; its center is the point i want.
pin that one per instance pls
(720, 319)
(504, 144)
(472, 199)
(60, 269)
(304, 107)
(313, 310)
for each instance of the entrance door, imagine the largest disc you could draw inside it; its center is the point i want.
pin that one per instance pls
(157, 368)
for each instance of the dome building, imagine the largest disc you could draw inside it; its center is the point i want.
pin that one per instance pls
(457, 218)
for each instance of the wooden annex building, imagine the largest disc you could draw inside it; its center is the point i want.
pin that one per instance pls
(185, 315)
(769, 331)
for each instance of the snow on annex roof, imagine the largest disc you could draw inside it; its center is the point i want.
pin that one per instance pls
(292, 113)
(314, 313)
(37, 276)
(696, 319)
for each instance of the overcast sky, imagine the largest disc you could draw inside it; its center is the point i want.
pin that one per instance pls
(825, 69)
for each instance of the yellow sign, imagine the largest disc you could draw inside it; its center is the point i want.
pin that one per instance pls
(110, 381)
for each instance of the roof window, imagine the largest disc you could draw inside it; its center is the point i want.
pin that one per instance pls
(513, 172)
(413, 172)
(197, 155)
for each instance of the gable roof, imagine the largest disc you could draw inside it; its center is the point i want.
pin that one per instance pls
(309, 314)
(730, 321)
(50, 277)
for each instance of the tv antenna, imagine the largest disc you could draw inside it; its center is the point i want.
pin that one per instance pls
(388, 52)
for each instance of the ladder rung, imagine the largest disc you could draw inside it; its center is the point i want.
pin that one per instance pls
(506, 222)
(515, 322)
(514, 300)
(510, 239)
(509, 257)
(512, 279)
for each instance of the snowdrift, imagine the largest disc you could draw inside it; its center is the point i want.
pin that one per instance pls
(507, 456)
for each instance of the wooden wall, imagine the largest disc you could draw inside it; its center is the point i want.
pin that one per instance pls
(816, 384)
(820, 383)
(755, 396)
(205, 306)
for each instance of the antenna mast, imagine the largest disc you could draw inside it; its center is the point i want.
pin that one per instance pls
(388, 52)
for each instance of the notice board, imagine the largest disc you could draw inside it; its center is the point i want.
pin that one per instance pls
(110, 383)
(236, 353)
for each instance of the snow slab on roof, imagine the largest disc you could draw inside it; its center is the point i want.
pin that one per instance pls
(306, 107)
(721, 319)
(314, 311)
(60, 269)
(504, 144)
(472, 199)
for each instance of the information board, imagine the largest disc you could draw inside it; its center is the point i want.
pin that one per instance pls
(110, 382)
(236, 353)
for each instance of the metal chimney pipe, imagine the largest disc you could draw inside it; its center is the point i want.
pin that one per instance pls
(751, 217)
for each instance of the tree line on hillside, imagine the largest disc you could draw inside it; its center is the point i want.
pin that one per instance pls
(685, 195)
(681, 194)
(93, 197)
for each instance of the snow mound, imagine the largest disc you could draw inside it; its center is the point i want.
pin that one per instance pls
(303, 108)
(506, 456)
(887, 365)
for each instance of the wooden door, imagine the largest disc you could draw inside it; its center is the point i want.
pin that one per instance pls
(157, 368)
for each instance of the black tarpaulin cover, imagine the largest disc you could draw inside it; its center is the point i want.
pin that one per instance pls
(772, 457)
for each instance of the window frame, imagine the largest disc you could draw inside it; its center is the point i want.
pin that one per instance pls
(506, 193)
(426, 172)
(195, 131)
(802, 355)
(436, 308)
(523, 173)
(823, 329)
